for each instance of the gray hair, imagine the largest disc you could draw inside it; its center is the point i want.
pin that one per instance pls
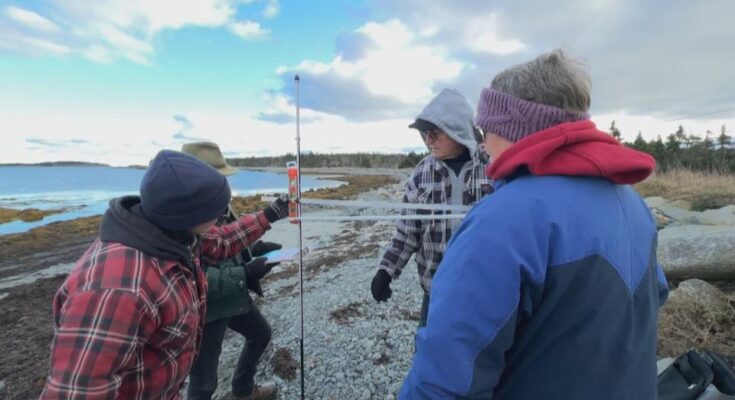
(551, 79)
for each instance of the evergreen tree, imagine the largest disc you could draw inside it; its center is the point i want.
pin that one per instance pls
(615, 132)
(673, 145)
(724, 140)
(640, 143)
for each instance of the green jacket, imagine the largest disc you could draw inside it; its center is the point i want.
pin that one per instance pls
(227, 292)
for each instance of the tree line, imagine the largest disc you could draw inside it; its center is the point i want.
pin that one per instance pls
(710, 153)
(326, 160)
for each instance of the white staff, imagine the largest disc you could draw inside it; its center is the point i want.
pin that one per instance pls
(301, 246)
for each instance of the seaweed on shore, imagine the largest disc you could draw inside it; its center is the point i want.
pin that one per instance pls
(26, 215)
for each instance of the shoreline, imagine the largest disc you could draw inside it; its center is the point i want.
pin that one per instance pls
(354, 347)
(33, 265)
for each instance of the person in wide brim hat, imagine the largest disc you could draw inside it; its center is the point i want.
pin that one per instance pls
(229, 304)
(211, 154)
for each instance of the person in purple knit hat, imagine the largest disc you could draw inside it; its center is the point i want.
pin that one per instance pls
(550, 288)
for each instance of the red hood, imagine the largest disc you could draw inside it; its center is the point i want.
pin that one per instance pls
(574, 148)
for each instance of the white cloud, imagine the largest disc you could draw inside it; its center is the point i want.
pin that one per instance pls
(30, 19)
(429, 31)
(147, 17)
(272, 9)
(670, 62)
(99, 54)
(650, 127)
(16, 42)
(248, 29)
(383, 70)
(481, 34)
(47, 46)
(106, 30)
(134, 136)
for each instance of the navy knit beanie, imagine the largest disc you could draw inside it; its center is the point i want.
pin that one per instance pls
(179, 192)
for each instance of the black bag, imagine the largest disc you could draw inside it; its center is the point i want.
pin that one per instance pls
(697, 375)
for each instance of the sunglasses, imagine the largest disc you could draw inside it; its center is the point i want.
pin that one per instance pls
(479, 134)
(432, 134)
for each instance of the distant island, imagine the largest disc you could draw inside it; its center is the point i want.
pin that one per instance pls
(69, 164)
(56, 164)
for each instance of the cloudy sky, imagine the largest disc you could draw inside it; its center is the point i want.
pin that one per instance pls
(115, 81)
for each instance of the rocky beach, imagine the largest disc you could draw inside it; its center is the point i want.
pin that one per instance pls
(354, 348)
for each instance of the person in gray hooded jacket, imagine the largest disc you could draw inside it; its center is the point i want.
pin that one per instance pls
(452, 173)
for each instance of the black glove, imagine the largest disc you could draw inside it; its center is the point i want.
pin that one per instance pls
(254, 271)
(261, 247)
(381, 285)
(277, 210)
(258, 249)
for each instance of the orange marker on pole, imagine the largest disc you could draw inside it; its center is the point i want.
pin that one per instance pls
(293, 190)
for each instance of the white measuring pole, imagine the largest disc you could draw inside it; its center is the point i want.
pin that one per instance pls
(382, 217)
(378, 204)
(298, 212)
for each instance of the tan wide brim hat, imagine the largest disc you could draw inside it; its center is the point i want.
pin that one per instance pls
(210, 153)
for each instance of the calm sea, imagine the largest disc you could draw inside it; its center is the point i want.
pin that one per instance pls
(85, 191)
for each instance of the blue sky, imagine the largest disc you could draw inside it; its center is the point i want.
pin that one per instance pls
(117, 80)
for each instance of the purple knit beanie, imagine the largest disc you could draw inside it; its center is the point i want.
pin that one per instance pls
(513, 118)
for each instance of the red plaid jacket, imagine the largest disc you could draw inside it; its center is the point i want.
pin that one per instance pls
(128, 325)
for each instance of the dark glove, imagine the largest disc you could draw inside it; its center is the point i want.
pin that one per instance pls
(254, 271)
(381, 285)
(277, 210)
(261, 247)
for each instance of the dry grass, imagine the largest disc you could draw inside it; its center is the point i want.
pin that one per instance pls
(703, 190)
(356, 184)
(685, 324)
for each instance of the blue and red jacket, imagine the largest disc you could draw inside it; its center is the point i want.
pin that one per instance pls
(550, 289)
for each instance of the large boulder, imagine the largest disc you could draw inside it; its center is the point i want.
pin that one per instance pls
(704, 293)
(655, 201)
(679, 213)
(722, 216)
(697, 251)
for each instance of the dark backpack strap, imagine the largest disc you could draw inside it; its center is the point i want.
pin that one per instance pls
(695, 369)
(724, 376)
(685, 379)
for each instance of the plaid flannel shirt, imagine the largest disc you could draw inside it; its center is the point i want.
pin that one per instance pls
(430, 184)
(128, 325)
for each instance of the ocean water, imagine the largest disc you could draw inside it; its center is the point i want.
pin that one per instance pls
(86, 191)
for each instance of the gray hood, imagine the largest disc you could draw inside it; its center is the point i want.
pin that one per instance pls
(453, 114)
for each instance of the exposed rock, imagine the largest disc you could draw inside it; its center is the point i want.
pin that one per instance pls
(679, 212)
(662, 220)
(680, 215)
(655, 201)
(683, 204)
(722, 216)
(697, 251)
(699, 291)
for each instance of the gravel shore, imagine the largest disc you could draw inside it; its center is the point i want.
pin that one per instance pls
(354, 347)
